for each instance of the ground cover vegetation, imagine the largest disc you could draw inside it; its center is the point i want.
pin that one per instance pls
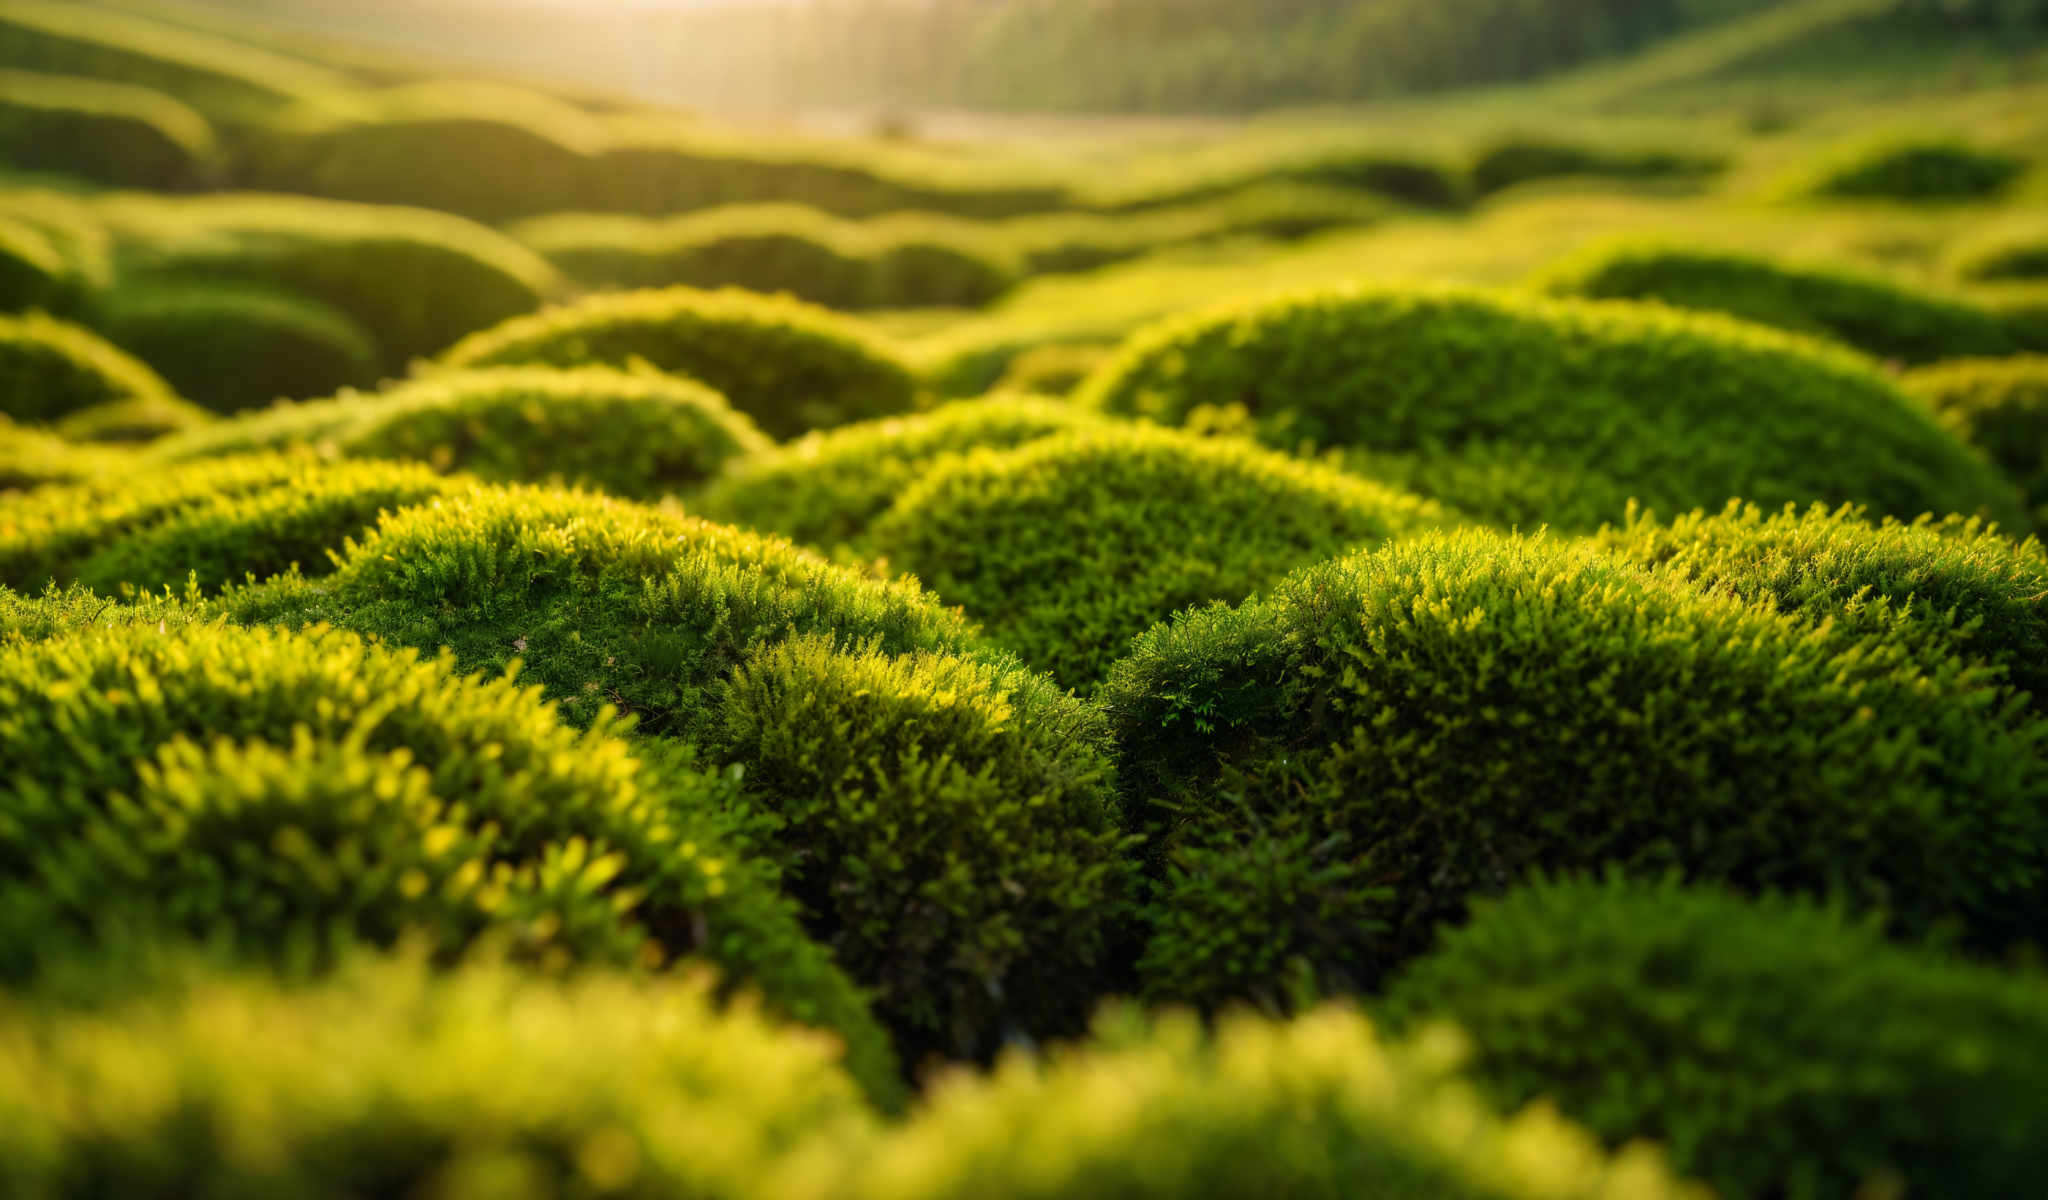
(1482, 638)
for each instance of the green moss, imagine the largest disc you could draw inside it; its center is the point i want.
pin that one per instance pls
(143, 420)
(2017, 253)
(1068, 547)
(1871, 314)
(416, 281)
(948, 826)
(606, 602)
(1314, 1107)
(219, 521)
(826, 489)
(236, 346)
(1461, 710)
(1513, 160)
(2000, 406)
(34, 273)
(291, 794)
(391, 1078)
(789, 366)
(1776, 1047)
(1946, 588)
(631, 434)
(108, 132)
(1920, 172)
(906, 261)
(1679, 410)
(49, 369)
(32, 458)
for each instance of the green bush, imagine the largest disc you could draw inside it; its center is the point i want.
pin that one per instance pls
(106, 132)
(1514, 160)
(1319, 1106)
(1871, 314)
(2000, 406)
(49, 369)
(789, 366)
(234, 346)
(292, 793)
(1458, 711)
(907, 261)
(1775, 1047)
(226, 80)
(949, 828)
(1920, 172)
(1677, 410)
(1948, 588)
(416, 281)
(826, 489)
(608, 602)
(1068, 547)
(393, 1080)
(220, 521)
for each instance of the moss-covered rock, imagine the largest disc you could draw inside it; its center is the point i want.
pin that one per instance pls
(111, 133)
(236, 346)
(2000, 406)
(50, 369)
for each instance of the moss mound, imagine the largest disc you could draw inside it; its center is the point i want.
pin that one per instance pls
(33, 458)
(1947, 588)
(416, 281)
(826, 489)
(143, 420)
(1452, 712)
(1314, 1107)
(49, 369)
(2006, 254)
(789, 366)
(948, 826)
(631, 434)
(393, 1079)
(1920, 172)
(1777, 1048)
(34, 272)
(1677, 410)
(1067, 548)
(220, 522)
(2000, 406)
(1870, 314)
(232, 346)
(607, 602)
(107, 132)
(347, 791)
(906, 261)
(1514, 160)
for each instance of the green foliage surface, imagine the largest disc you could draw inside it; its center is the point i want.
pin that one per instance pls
(1869, 313)
(790, 366)
(1675, 410)
(826, 489)
(605, 602)
(293, 793)
(217, 521)
(1939, 589)
(1776, 1047)
(233, 1084)
(1068, 547)
(107, 132)
(1999, 406)
(233, 346)
(948, 825)
(1452, 712)
(1917, 171)
(50, 369)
